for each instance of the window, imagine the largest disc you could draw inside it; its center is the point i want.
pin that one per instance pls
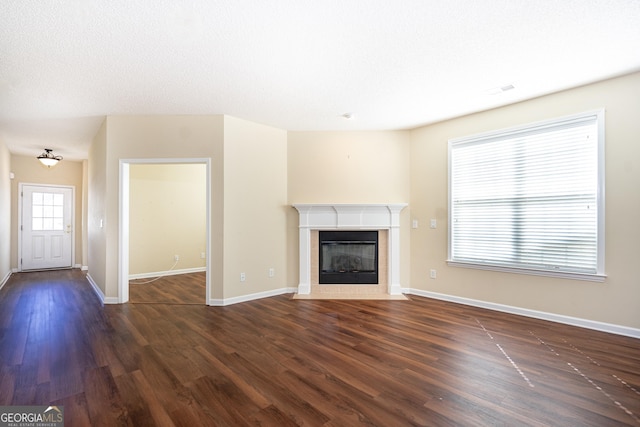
(47, 211)
(530, 199)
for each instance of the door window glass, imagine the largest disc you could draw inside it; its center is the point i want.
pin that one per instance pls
(47, 211)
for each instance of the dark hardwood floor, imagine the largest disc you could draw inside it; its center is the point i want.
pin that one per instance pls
(179, 289)
(281, 362)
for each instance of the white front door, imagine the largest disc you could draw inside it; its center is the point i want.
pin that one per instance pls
(46, 227)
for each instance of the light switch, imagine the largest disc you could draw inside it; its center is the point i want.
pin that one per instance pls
(433, 223)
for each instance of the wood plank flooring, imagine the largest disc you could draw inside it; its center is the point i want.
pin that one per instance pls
(177, 289)
(284, 362)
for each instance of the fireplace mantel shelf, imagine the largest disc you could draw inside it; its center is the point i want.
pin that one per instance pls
(356, 216)
(377, 216)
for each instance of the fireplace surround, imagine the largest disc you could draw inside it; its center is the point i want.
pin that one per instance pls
(384, 218)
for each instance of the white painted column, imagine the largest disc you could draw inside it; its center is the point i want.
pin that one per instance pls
(304, 285)
(395, 287)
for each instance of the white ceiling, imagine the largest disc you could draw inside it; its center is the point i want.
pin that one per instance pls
(293, 64)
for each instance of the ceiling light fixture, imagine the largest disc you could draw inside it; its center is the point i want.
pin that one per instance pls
(347, 116)
(48, 158)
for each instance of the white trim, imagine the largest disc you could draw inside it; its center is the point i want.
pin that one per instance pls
(601, 245)
(532, 272)
(512, 131)
(166, 273)
(95, 288)
(5, 279)
(123, 237)
(84, 268)
(552, 317)
(251, 297)
(103, 300)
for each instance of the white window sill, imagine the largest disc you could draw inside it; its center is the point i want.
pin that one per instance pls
(561, 274)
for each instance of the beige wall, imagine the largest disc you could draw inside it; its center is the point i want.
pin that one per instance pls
(28, 170)
(96, 211)
(167, 217)
(85, 213)
(348, 167)
(255, 206)
(5, 213)
(144, 137)
(248, 186)
(615, 301)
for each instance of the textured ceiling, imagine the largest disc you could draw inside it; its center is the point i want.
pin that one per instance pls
(294, 64)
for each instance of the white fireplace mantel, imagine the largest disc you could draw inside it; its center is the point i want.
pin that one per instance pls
(350, 217)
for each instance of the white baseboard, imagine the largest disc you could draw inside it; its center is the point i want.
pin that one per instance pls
(96, 288)
(5, 279)
(84, 268)
(558, 318)
(166, 273)
(251, 297)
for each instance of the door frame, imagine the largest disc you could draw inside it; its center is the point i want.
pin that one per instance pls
(123, 257)
(21, 186)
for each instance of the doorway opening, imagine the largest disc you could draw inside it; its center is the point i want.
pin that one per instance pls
(164, 230)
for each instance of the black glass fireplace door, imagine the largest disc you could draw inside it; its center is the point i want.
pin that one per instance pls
(348, 257)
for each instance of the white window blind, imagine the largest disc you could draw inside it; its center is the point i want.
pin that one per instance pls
(530, 197)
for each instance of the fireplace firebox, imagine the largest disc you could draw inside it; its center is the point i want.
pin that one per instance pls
(348, 257)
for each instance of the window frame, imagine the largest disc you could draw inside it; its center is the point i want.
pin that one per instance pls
(540, 126)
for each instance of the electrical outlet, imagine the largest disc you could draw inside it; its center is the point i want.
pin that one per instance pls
(272, 272)
(243, 277)
(176, 257)
(202, 255)
(432, 274)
